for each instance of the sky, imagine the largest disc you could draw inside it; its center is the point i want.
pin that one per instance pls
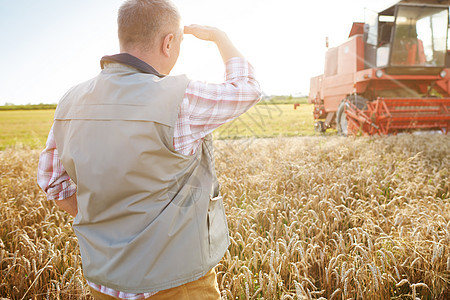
(48, 46)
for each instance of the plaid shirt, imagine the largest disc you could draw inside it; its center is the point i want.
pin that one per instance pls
(204, 108)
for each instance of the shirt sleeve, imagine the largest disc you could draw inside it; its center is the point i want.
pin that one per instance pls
(207, 106)
(51, 176)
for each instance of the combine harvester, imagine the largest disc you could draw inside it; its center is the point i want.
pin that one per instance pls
(391, 75)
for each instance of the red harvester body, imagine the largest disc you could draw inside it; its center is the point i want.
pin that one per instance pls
(391, 75)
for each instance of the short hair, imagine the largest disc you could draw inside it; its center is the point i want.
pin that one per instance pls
(142, 22)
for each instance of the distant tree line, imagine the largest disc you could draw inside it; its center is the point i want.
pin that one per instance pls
(281, 99)
(284, 99)
(10, 106)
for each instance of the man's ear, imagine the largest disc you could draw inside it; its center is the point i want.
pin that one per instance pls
(167, 44)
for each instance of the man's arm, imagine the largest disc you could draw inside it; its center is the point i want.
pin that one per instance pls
(54, 180)
(207, 106)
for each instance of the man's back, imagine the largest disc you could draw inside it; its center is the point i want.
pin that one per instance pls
(135, 192)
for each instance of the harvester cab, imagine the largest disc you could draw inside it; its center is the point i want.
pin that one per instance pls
(408, 39)
(391, 75)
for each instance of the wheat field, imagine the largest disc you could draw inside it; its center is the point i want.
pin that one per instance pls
(309, 218)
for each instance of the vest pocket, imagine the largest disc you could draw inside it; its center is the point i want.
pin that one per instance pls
(217, 228)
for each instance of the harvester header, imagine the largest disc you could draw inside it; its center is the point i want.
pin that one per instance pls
(391, 75)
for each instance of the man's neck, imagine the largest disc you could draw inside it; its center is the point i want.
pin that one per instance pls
(148, 57)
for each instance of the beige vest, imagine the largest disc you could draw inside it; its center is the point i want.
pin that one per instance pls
(149, 218)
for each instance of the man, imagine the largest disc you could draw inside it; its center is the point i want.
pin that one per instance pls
(130, 157)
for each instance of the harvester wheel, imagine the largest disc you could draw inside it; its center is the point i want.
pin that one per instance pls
(359, 101)
(341, 118)
(319, 126)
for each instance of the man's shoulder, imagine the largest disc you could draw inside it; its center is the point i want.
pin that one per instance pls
(181, 79)
(67, 101)
(80, 86)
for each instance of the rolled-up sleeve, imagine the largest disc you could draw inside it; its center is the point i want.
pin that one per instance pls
(207, 106)
(51, 176)
(212, 105)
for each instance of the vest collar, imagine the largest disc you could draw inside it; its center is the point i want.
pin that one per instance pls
(129, 60)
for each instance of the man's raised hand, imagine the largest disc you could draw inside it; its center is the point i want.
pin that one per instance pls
(220, 38)
(206, 33)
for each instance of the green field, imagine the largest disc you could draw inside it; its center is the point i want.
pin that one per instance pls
(25, 128)
(268, 120)
(29, 128)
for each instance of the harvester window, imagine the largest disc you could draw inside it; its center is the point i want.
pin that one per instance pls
(385, 29)
(386, 24)
(385, 33)
(420, 36)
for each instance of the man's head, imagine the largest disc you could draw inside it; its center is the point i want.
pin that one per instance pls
(151, 29)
